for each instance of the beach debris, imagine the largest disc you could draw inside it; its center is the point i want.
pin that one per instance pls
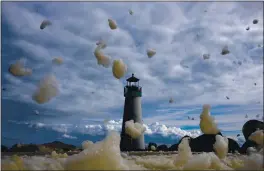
(238, 135)
(119, 68)
(206, 56)
(225, 50)
(47, 89)
(192, 118)
(171, 100)
(255, 84)
(255, 21)
(112, 24)
(18, 68)
(131, 12)
(44, 24)
(151, 53)
(57, 61)
(227, 98)
(248, 28)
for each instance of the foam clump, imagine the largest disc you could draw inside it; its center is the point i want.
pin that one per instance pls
(134, 130)
(102, 59)
(19, 69)
(207, 123)
(86, 144)
(184, 152)
(101, 44)
(47, 89)
(101, 156)
(199, 162)
(151, 53)
(257, 137)
(112, 24)
(57, 61)
(221, 146)
(253, 162)
(119, 68)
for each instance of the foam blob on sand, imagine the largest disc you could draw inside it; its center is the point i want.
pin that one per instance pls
(184, 152)
(103, 155)
(112, 24)
(153, 148)
(221, 146)
(47, 89)
(86, 144)
(207, 123)
(119, 68)
(151, 53)
(257, 137)
(57, 61)
(134, 129)
(18, 68)
(198, 162)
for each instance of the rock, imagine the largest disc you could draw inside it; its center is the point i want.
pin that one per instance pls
(174, 147)
(151, 144)
(162, 147)
(203, 143)
(233, 146)
(246, 145)
(4, 148)
(24, 148)
(60, 145)
(251, 126)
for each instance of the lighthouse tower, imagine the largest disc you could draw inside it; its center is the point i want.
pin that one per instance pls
(132, 111)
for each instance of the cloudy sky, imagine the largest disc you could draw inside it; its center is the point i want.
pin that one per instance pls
(180, 32)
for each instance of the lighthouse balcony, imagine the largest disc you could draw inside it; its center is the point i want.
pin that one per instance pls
(134, 91)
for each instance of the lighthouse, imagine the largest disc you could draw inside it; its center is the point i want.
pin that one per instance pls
(132, 111)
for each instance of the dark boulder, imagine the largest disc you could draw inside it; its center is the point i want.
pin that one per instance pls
(4, 148)
(174, 147)
(203, 143)
(152, 144)
(246, 145)
(251, 126)
(233, 146)
(162, 147)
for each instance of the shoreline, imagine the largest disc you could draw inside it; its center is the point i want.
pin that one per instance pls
(131, 153)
